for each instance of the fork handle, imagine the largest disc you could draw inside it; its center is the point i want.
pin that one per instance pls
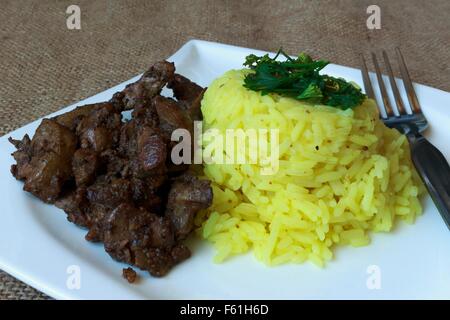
(434, 171)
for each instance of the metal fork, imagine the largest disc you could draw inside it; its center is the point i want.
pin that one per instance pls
(428, 160)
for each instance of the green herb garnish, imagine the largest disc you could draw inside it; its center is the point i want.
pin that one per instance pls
(300, 79)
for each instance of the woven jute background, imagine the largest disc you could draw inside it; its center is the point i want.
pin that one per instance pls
(44, 66)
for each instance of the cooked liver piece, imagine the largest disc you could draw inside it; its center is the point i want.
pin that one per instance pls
(147, 87)
(45, 162)
(129, 274)
(187, 196)
(85, 164)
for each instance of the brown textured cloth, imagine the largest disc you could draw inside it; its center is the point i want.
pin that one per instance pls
(44, 66)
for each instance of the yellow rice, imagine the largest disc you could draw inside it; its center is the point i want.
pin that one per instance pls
(341, 174)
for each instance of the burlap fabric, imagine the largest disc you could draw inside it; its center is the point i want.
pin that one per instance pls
(44, 66)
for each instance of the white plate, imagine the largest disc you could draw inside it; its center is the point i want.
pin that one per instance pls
(38, 245)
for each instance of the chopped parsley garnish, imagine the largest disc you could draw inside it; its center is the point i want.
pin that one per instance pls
(300, 79)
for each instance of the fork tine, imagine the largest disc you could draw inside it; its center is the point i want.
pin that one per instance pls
(366, 79)
(384, 95)
(398, 99)
(407, 82)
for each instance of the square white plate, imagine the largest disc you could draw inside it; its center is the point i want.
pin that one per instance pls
(39, 246)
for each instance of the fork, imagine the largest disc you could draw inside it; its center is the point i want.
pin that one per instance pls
(428, 160)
